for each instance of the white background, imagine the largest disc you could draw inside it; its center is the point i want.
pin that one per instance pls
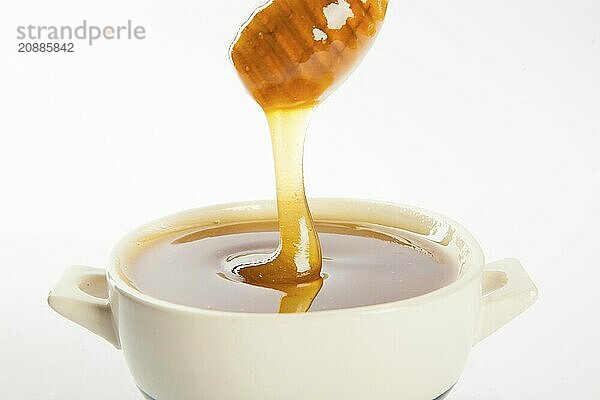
(488, 112)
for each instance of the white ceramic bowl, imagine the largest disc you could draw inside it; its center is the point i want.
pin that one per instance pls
(413, 349)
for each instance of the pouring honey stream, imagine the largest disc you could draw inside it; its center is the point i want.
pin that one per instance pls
(290, 55)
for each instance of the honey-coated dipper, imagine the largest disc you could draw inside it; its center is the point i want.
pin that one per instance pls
(292, 53)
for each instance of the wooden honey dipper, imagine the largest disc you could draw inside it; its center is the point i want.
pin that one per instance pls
(292, 53)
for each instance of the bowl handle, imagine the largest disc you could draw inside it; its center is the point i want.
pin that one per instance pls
(81, 295)
(507, 292)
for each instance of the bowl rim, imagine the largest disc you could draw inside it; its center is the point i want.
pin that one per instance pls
(226, 212)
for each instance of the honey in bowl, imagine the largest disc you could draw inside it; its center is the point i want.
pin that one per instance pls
(363, 264)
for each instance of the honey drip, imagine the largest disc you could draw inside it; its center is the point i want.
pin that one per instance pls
(290, 55)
